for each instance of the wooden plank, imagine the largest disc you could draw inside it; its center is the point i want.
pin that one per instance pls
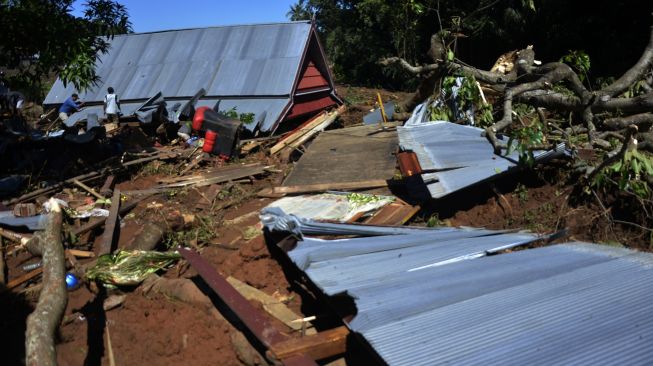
(21, 238)
(309, 131)
(393, 214)
(208, 197)
(88, 189)
(347, 155)
(107, 187)
(225, 177)
(273, 306)
(298, 132)
(111, 226)
(319, 346)
(80, 253)
(209, 174)
(310, 188)
(24, 278)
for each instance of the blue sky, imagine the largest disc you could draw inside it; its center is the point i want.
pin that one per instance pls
(154, 15)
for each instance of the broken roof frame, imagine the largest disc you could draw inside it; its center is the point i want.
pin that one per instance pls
(255, 68)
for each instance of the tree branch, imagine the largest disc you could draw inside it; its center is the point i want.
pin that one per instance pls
(628, 141)
(635, 73)
(618, 123)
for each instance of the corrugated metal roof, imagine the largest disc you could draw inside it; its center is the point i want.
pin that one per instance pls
(252, 67)
(573, 303)
(464, 156)
(249, 60)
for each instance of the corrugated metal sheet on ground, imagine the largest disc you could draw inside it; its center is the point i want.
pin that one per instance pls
(464, 156)
(335, 206)
(572, 303)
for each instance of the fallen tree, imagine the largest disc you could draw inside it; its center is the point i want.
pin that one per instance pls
(605, 113)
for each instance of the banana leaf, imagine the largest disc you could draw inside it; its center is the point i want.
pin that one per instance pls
(129, 268)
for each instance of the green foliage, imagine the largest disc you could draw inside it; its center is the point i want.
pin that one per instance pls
(434, 221)
(636, 89)
(579, 61)
(202, 232)
(523, 139)
(468, 96)
(232, 113)
(41, 37)
(628, 174)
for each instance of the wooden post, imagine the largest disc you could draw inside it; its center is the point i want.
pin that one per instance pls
(110, 227)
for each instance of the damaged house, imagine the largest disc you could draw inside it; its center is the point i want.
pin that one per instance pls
(278, 72)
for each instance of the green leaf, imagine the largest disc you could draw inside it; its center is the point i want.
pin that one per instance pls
(450, 55)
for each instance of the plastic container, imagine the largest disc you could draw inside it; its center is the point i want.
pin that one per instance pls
(209, 141)
(198, 118)
(72, 283)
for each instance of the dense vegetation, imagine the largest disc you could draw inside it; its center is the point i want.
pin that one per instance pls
(611, 32)
(42, 37)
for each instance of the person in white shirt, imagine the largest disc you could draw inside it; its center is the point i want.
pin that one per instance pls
(111, 105)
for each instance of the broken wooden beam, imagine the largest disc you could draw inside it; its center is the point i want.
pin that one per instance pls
(319, 346)
(273, 306)
(254, 320)
(307, 131)
(88, 189)
(20, 238)
(24, 278)
(111, 225)
(322, 187)
(107, 187)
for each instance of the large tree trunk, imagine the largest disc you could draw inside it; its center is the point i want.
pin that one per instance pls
(42, 323)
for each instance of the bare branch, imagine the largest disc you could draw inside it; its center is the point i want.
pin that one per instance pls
(628, 141)
(618, 123)
(635, 73)
(417, 70)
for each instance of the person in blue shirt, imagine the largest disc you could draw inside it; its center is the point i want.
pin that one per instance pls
(69, 106)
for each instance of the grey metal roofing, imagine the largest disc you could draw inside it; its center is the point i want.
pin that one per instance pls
(7, 218)
(230, 62)
(460, 151)
(572, 303)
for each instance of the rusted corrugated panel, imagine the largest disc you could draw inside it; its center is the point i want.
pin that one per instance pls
(408, 164)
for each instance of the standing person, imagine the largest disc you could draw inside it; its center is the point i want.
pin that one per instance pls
(69, 106)
(111, 105)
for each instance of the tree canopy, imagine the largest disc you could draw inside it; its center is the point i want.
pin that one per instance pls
(357, 33)
(41, 37)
